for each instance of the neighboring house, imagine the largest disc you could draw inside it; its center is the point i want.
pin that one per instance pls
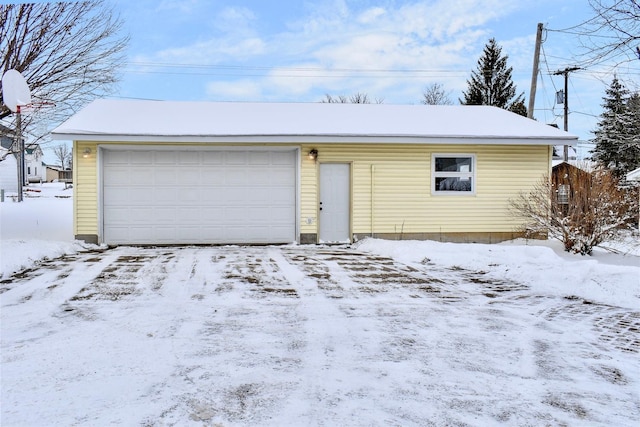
(7, 137)
(159, 172)
(8, 171)
(33, 170)
(8, 161)
(33, 161)
(568, 177)
(55, 173)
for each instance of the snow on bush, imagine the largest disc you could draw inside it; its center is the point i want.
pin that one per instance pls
(594, 209)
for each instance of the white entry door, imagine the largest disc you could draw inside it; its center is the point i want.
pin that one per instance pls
(335, 196)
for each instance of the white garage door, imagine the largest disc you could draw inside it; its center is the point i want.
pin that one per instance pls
(161, 196)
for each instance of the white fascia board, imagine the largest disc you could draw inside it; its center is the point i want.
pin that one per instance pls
(318, 139)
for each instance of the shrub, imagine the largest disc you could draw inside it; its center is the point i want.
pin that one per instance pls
(580, 209)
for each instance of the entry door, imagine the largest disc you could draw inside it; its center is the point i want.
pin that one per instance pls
(335, 196)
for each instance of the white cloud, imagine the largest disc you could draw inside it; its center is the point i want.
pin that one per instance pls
(371, 15)
(235, 20)
(213, 51)
(443, 37)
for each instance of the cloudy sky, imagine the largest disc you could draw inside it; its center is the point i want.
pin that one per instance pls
(299, 50)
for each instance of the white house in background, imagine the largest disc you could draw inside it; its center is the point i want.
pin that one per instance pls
(34, 169)
(8, 171)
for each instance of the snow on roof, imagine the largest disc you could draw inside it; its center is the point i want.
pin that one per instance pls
(181, 121)
(634, 175)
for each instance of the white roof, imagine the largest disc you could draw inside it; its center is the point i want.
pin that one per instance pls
(171, 121)
(634, 175)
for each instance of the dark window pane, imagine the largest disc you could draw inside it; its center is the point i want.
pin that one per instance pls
(453, 184)
(453, 164)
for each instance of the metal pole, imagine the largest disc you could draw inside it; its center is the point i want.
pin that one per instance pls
(566, 72)
(20, 144)
(566, 113)
(534, 73)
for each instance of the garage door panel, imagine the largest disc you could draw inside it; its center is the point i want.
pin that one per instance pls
(212, 175)
(279, 195)
(236, 158)
(282, 212)
(164, 234)
(166, 176)
(191, 196)
(190, 174)
(117, 158)
(163, 158)
(279, 176)
(189, 215)
(163, 196)
(118, 215)
(212, 158)
(120, 233)
(166, 215)
(188, 157)
(139, 157)
(236, 177)
(138, 215)
(120, 175)
(199, 196)
(231, 195)
(139, 196)
(191, 233)
(212, 214)
(280, 158)
(259, 158)
(141, 176)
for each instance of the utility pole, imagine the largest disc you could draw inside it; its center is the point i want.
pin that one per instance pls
(20, 146)
(566, 72)
(534, 74)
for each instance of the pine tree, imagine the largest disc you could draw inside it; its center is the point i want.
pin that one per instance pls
(630, 146)
(617, 134)
(491, 83)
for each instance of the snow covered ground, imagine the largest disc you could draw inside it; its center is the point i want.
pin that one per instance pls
(382, 333)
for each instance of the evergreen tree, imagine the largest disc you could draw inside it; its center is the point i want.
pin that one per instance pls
(630, 145)
(617, 134)
(491, 83)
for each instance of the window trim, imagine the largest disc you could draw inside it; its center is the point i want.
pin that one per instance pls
(441, 174)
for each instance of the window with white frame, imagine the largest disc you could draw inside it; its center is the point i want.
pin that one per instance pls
(453, 174)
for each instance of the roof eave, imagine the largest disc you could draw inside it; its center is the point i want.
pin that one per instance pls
(322, 139)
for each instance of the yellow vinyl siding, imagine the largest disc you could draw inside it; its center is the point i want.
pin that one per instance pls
(308, 194)
(391, 186)
(85, 189)
(398, 180)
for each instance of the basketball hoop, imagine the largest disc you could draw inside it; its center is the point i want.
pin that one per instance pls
(34, 107)
(16, 95)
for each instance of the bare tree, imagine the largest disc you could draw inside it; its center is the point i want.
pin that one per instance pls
(356, 98)
(436, 95)
(612, 33)
(329, 99)
(63, 154)
(69, 52)
(582, 212)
